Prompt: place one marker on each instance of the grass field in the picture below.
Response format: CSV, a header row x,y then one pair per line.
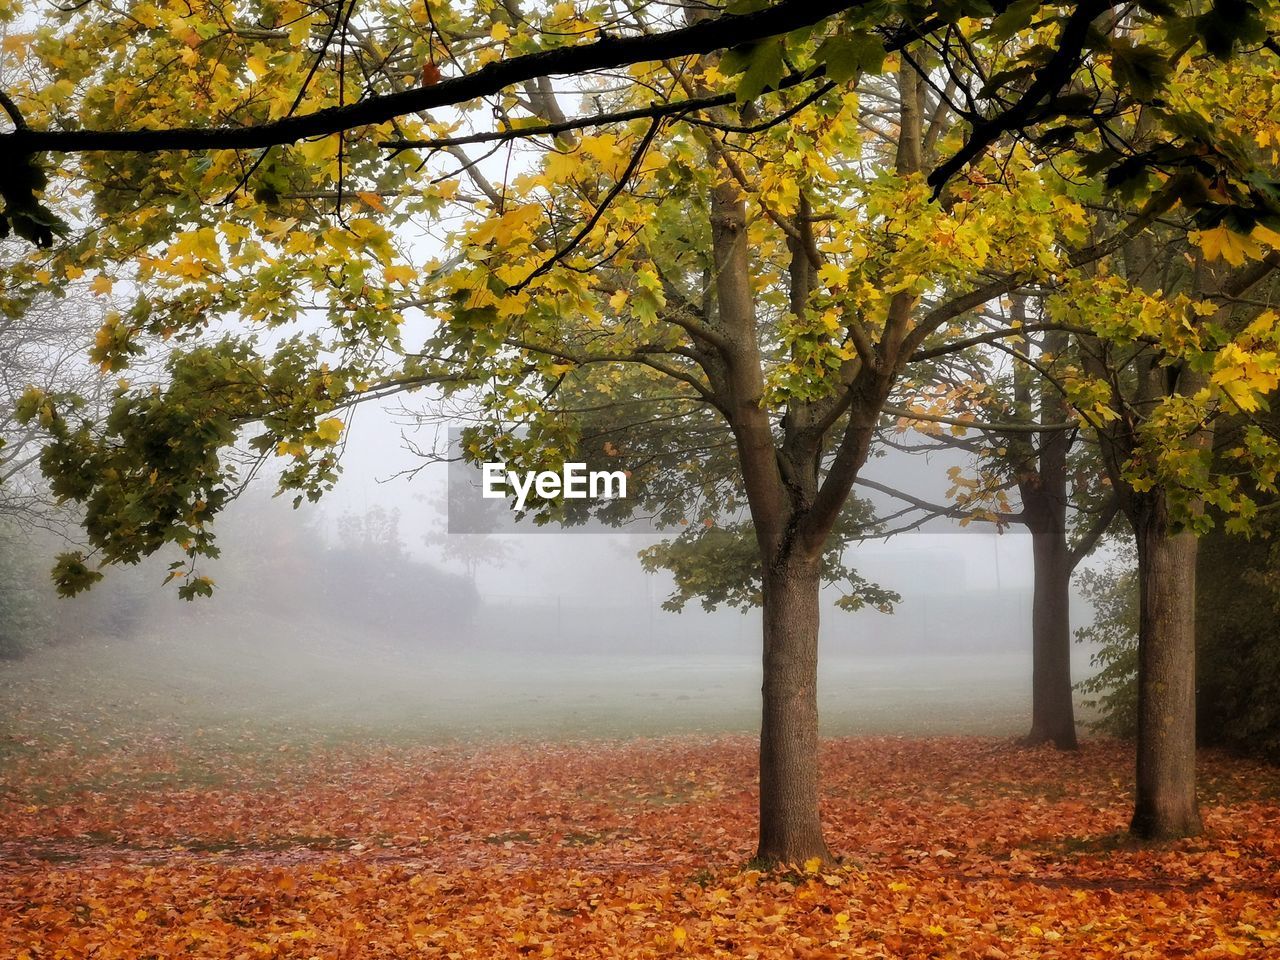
x,y
270,675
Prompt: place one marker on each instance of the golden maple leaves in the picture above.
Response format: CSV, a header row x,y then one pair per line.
x,y
1221,242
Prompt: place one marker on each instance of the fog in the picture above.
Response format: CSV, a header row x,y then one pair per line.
x,y
353,617
388,632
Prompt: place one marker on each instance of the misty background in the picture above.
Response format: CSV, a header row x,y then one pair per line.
x,y
361,614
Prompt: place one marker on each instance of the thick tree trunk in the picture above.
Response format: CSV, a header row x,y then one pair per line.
x,y
1052,711
790,828
1165,802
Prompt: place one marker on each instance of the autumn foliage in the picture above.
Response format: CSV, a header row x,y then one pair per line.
x,y
956,848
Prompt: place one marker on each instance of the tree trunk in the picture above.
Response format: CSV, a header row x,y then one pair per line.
x,y
1043,490
1165,802
1052,711
790,828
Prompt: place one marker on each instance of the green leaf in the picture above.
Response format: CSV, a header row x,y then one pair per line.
x,y
72,576
1228,24
1017,16
1140,67
765,68
847,57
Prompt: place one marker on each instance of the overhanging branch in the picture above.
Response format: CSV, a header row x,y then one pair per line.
x,y
727,30
1011,427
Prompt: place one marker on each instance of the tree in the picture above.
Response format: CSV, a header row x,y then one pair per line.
x,y
1043,486
466,536
43,340
1237,657
1237,600
1113,689
1155,400
790,343
1235,603
739,238
1018,428
42,343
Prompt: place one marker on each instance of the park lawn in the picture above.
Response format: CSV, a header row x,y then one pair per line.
x,y
229,845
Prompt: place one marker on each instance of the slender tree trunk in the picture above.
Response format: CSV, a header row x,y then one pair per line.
x,y
1052,711
1044,500
790,828
1165,802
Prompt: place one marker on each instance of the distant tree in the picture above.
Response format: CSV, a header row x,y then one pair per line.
x,y
44,338
396,591
1020,434
25,618
1238,643
43,341
466,535
1112,691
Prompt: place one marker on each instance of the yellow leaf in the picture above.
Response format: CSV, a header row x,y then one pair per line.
x,y
192,254
813,865
1240,393
603,148
321,154
832,276
1233,247
506,228
1266,235
372,199
400,273
18,42
329,430
101,284
364,228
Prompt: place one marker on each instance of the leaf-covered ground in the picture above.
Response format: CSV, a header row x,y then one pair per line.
x,y
197,846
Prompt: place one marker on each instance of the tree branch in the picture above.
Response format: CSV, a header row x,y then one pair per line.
x,y
673,108
1048,81
1094,534
726,30
596,214
1013,427
937,509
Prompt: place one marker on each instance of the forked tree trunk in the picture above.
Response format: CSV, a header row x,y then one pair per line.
x,y
1165,802
790,828
1052,711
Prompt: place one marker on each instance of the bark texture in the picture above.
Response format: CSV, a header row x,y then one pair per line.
x,y
1165,804
1052,708
1042,486
790,827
